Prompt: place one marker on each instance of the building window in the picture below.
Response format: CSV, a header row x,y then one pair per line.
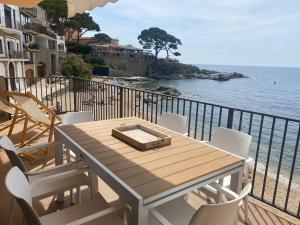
x,y
51,44
14,18
1,46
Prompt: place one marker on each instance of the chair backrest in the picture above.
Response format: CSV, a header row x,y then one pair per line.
x,y
18,186
6,108
232,141
12,153
224,213
29,105
76,117
172,121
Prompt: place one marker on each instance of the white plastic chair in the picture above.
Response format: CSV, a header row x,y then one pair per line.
x,y
237,143
92,212
73,118
174,122
179,212
49,181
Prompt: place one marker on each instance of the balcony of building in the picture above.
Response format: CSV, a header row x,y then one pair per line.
x,y
38,29
29,11
31,46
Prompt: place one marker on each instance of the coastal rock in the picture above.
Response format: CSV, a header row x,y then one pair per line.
x,y
168,91
164,70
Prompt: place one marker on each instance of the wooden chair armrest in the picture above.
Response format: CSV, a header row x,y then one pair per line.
x,y
159,217
94,216
35,147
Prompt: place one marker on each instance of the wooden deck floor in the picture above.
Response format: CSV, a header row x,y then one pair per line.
x,y
260,213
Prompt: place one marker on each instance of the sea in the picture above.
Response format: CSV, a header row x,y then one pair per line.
x,y
270,90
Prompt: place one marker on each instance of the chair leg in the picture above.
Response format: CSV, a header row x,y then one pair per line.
x,y
24,130
68,155
246,210
11,211
219,194
13,122
72,196
78,195
93,183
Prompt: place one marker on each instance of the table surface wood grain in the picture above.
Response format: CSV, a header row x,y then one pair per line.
x,y
153,171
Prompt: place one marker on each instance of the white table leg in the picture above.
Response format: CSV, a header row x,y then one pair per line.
x,y
139,215
236,183
94,183
59,160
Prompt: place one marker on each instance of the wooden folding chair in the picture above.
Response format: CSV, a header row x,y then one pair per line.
x,y
14,111
37,113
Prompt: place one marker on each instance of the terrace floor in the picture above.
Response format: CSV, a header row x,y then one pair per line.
x,y
260,213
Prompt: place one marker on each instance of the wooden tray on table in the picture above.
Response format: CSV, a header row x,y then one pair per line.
x,y
141,137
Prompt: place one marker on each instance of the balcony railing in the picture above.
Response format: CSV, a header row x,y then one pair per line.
x,y
275,146
33,46
31,11
39,29
18,55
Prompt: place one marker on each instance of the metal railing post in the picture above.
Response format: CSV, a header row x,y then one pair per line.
x,y
230,118
121,102
74,92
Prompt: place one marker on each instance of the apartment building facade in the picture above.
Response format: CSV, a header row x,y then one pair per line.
x,y
45,47
12,54
28,48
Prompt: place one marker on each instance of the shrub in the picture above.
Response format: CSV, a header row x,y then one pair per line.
x,y
74,65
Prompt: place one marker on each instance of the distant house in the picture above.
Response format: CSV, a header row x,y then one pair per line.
x,y
115,50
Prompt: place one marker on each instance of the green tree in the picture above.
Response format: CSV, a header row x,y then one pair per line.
x,y
57,16
57,11
172,45
101,37
81,23
74,65
158,40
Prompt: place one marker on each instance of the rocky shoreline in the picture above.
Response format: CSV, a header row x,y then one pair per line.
x,y
164,70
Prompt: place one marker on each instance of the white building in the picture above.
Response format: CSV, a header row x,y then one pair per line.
x,y
43,45
28,48
12,55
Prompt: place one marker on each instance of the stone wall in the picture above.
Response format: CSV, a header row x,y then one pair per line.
x,y
127,65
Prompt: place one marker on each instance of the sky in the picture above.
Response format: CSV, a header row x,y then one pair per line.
x,y
224,32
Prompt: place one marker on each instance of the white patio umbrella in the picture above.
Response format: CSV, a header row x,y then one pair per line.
x,y
74,6
80,6
22,3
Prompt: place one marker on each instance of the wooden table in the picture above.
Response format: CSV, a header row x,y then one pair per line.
x,y
150,178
